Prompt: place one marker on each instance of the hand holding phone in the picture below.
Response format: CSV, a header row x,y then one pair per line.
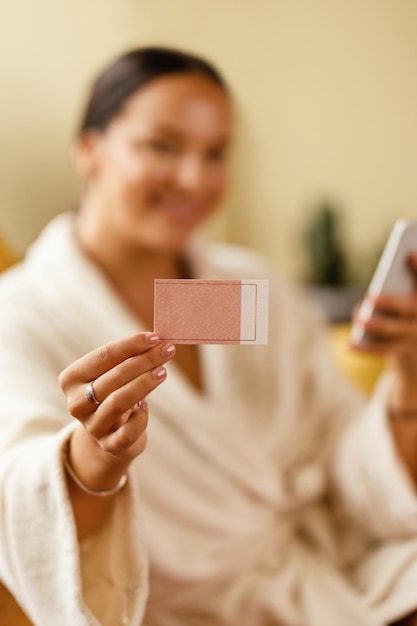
x,y
393,274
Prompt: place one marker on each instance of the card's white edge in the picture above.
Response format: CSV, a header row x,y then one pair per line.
x,y
262,301
248,298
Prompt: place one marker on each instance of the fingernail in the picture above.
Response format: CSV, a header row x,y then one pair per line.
x,y
152,338
159,372
143,405
168,349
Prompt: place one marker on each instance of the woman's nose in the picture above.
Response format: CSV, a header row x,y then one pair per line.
x,y
190,174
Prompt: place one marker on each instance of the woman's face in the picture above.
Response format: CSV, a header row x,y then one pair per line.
x,y
159,169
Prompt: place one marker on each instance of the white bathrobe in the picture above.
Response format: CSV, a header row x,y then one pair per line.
x,y
276,497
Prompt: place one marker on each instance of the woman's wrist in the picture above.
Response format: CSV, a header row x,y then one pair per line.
x,y
404,369
402,403
92,492
92,469
402,415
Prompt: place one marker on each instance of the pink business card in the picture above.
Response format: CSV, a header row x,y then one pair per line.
x,y
211,311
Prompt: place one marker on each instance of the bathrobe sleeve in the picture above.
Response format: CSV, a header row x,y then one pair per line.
x,y
368,470
41,561
367,474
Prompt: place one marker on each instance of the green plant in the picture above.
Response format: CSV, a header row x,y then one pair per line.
x,y
327,261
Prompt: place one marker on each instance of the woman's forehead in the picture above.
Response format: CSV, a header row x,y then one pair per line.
x,y
180,102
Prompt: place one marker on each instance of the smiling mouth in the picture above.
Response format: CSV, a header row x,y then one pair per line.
x,y
181,211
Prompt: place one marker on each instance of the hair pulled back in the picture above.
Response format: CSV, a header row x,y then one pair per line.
x,y
132,71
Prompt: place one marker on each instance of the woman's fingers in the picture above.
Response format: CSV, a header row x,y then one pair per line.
x,y
130,369
392,322
103,359
392,327
117,405
120,377
139,355
396,306
129,439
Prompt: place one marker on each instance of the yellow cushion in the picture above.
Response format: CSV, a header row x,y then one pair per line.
x,y
363,369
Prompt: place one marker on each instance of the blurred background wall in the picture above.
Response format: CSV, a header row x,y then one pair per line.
x,y
325,92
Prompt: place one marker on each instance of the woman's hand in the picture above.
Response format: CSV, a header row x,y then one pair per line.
x,y
394,328
112,433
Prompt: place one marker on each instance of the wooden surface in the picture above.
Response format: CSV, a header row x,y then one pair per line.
x,y
10,613
7,256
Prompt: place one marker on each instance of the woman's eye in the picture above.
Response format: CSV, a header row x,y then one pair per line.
x,y
217,155
160,145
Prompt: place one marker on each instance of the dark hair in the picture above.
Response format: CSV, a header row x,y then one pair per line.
x,y
134,70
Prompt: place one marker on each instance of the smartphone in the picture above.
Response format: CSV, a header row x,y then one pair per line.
x,y
392,274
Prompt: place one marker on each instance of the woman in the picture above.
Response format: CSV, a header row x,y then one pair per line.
x,y
268,493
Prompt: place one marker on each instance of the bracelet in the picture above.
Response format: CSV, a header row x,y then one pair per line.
x,y
399,415
91,492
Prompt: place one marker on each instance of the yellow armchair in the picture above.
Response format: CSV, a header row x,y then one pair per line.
x,y
11,613
7,256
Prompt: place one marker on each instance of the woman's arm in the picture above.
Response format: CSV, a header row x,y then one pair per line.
x,y
113,432
396,330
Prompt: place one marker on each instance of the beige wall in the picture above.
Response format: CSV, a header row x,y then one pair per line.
x,y
326,93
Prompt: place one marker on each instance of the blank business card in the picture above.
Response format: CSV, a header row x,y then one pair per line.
x,y
197,311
